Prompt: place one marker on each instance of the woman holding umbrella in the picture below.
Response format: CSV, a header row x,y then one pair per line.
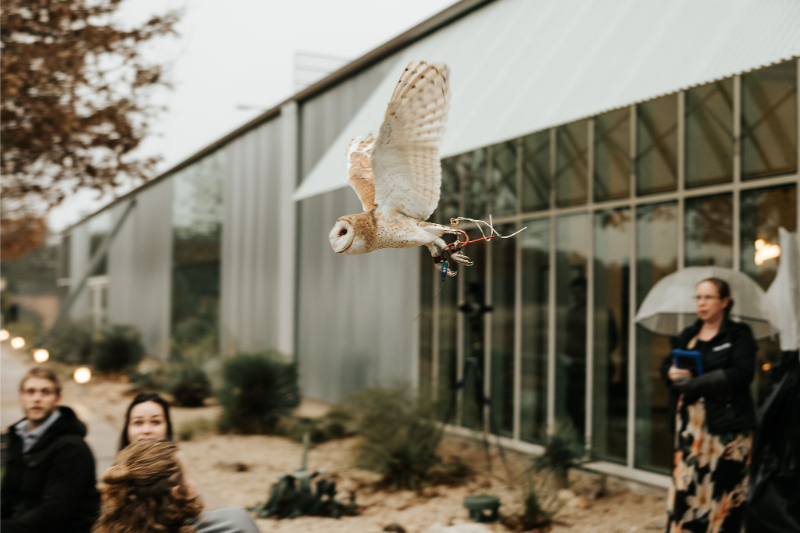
x,y
714,417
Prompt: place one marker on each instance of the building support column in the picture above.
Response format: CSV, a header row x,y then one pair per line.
x,y
287,231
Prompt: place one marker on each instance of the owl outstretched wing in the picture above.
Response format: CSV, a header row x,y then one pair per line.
x,y
405,159
359,169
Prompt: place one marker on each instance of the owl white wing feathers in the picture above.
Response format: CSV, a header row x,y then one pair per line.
x,y
405,158
359,169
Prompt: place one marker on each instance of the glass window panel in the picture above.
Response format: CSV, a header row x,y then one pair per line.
x,y
611,314
612,160
426,275
657,145
656,257
472,169
504,179
708,222
763,211
474,309
572,241
572,159
709,134
536,171
65,257
769,121
503,296
535,250
448,337
450,199
197,230
99,228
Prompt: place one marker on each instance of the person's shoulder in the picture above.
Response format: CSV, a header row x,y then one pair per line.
x,y
226,520
740,328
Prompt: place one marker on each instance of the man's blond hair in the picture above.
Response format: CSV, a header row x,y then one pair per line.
x,y
41,372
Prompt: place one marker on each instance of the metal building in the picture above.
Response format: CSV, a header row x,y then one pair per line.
x,y
630,138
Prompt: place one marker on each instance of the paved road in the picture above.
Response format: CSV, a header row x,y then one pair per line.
x,y
101,437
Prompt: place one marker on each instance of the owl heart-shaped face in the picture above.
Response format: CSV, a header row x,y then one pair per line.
x,y
341,236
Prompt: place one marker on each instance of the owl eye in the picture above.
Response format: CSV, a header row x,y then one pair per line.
x,y
342,232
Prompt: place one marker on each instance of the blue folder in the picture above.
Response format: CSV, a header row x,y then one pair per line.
x,y
689,359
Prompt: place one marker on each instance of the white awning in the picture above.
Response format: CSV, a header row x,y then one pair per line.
x,y
519,66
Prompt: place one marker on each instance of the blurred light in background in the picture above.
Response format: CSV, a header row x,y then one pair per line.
x,y
766,251
765,367
17,343
4,335
41,355
82,375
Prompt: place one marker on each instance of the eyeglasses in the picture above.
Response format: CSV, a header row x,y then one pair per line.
x,y
706,298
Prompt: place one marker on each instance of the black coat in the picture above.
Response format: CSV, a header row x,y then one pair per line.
x,y
733,351
52,487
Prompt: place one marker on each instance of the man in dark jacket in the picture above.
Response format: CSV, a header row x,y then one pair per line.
x,y
49,479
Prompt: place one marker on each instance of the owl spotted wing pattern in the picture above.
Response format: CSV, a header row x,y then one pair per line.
x,y
359,169
408,174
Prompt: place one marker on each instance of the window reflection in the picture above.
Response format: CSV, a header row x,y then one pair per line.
x,y
763,211
769,121
536,171
426,275
99,228
197,232
503,253
450,199
572,241
535,250
708,222
473,310
504,179
656,257
709,134
472,169
657,145
611,315
448,335
572,160
612,162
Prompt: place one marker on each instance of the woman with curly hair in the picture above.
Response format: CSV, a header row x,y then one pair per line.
x,y
146,491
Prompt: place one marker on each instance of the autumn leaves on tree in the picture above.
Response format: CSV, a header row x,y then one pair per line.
x,y
75,105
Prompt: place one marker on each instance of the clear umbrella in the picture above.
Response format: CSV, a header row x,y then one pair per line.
x,y
669,306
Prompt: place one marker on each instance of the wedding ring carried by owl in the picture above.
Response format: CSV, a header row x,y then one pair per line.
x,y
398,176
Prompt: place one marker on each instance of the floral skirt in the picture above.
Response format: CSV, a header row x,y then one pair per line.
x,y
710,475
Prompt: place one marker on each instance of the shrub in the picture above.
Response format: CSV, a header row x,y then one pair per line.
x,y
71,343
189,384
257,390
26,328
564,450
540,503
196,427
116,348
337,424
401,437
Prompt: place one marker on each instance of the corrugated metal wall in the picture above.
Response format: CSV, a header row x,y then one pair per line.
x,y
79,262
250,241
140,266
355,325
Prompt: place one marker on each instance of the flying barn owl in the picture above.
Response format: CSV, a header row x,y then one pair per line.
x,y
398,176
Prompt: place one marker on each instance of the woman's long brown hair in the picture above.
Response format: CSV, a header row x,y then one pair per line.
x,y
138,495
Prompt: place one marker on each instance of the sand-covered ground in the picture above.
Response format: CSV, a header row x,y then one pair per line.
x,y
237,470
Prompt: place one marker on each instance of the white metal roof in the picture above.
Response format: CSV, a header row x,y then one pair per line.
x,y
519,66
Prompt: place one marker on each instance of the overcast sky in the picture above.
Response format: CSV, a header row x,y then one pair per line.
x,y
242,53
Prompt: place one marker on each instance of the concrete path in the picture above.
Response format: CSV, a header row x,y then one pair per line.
x,y
102,438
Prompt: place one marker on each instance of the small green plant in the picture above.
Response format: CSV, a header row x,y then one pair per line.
x,y
191,429
71,343
292,496
258,389
564,450
401,437
116,348
337,424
